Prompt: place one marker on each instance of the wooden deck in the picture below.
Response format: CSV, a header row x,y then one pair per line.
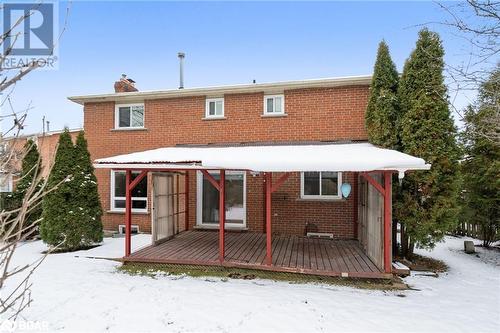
x,y
248,250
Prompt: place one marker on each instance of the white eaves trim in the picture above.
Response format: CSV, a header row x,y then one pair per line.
x,y
271,88
273,158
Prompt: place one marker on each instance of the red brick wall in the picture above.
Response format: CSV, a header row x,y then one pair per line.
x,y
323,114
47,146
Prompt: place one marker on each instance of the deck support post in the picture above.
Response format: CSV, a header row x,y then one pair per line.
x,y
387,221
355,195
186,200
269,255
129,186
386,192
222,214
128,212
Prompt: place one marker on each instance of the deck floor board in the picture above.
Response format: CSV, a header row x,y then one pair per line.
x,y
290,253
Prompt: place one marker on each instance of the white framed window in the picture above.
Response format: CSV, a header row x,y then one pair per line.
x,y
5,182
139,193
207,200
274,104
214,108
129,116
320,185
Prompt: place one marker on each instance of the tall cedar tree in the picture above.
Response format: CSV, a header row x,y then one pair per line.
x,y
71,216
481,165
428,203
383,112
383,107
87,204
31,169
56,226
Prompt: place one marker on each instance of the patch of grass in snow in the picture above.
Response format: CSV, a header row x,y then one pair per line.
x,y
156,270
424,264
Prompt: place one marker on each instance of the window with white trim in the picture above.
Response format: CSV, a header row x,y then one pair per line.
x,y
274,104
139,193
320,185
5,182
129,116
214,108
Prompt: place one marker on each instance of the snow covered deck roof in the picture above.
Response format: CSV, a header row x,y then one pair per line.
x,y
270,158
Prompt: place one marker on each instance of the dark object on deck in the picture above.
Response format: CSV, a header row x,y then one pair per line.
x,y
469,247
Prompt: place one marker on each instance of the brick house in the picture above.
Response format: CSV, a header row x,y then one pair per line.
x,y
47,145
306,204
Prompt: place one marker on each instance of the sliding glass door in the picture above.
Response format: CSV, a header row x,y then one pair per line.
x,y
208,199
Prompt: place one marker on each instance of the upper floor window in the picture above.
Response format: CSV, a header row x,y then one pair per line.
x,y
118,188
274,104
320,185
214,108
129,116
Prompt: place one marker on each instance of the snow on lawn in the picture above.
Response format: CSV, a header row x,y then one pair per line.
x,y
81,294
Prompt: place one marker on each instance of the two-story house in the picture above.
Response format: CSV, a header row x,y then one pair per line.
x,y
205,155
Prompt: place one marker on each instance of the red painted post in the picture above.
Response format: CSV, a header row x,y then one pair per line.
x,y
264,203
177,195
355,195
186,200
269,255
387,221
128,212
222,213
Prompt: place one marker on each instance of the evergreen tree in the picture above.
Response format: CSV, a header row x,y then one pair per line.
x,y
481,165
87,204
72,212
383,112
30,172
57,216
427,206
383,107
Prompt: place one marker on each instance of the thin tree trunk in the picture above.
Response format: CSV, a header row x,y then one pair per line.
x,y
394,238
404,241
411,249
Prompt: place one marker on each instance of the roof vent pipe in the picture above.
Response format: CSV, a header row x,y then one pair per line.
x,y
181,56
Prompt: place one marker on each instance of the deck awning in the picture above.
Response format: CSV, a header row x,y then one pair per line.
x,y
269,158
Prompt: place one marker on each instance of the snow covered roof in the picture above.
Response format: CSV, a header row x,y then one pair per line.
x,y
270,158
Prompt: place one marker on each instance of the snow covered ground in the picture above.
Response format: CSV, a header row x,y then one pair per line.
x,y
81,294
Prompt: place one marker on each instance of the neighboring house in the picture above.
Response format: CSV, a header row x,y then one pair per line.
x,y
47,145
299,114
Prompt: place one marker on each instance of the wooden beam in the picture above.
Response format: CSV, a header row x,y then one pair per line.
x,y
355,195
373,182
128,213
222,214
387,222
211,179
264,202
186,200
280,181
137,179
269,255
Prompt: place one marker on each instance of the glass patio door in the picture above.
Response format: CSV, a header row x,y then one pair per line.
x,y
208,199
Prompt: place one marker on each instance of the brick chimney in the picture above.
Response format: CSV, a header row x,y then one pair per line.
x,y
125,85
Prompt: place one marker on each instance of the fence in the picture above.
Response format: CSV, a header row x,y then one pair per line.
x,y
472,230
